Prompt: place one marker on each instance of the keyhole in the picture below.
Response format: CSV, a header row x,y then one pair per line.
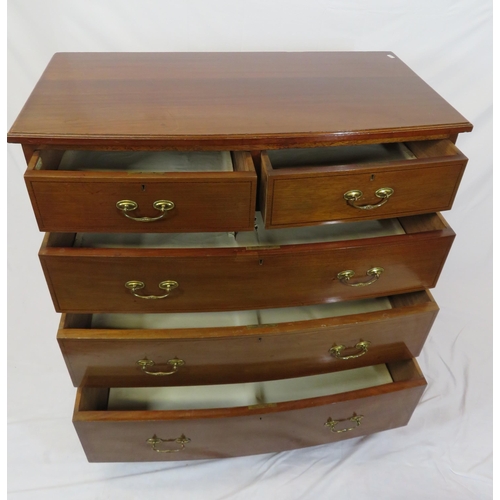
x,y
372,177
261,262
143,187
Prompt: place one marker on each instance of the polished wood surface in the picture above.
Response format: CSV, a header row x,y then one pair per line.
x,y
308,195
219,279
120,436
231,101
249,104
108,357
86,201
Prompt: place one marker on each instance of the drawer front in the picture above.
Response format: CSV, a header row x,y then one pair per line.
x,y
313,195
119,436
93,280
109,357
87,201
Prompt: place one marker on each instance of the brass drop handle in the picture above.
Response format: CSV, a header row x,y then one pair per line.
x,y
354,195
175,363
362,346
155,440
374,272
167,285
332,423
163,206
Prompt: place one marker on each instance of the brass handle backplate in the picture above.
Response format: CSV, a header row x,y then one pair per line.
x,y
332,423
134,285
362,346
163,206
155,440
175,363
354,195
374,272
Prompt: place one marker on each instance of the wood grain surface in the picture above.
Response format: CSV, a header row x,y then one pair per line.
x,y
85,201
217,355
308,195
120,436
231,101
220,279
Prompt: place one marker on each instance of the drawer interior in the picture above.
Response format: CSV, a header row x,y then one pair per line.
x,y
339,155
259,237
136,161
359,154
231,318
250,318
247,394
324,233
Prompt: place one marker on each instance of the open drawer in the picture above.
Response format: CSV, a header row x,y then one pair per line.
x,y
142,191
250,270
367,181
120,350
179,423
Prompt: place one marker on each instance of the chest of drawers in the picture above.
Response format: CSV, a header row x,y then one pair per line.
x,y
241,245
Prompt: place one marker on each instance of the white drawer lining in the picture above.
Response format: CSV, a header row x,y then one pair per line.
x,y
152,240
238,318
339,155
324,233
247,394
260,237
147,161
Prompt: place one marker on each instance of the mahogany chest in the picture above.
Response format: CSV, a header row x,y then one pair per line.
x,y
241,244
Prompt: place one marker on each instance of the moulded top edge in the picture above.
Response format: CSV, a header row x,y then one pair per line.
x,y
245,99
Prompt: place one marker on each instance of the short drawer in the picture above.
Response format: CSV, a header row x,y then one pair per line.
x,y
142,191
254,270
373,181
120,350
181,423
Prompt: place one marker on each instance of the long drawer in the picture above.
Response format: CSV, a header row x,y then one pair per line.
x,y
179,423
132,279
371,181
215,348
116,191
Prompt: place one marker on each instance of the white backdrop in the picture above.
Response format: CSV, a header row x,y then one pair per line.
x,y
445,451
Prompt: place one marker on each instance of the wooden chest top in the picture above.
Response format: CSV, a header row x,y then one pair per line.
x,y
231,101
